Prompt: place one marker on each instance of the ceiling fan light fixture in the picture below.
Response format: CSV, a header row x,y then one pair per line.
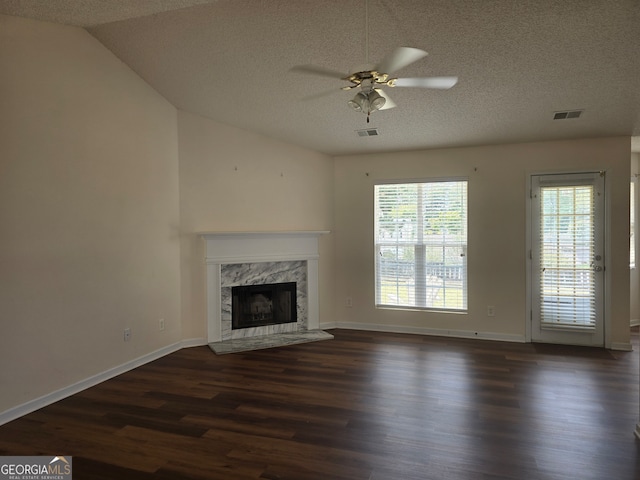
x,y
360,103
376,101
367,102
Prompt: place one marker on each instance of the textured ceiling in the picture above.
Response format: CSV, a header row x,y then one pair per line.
x,y
518,62
86,13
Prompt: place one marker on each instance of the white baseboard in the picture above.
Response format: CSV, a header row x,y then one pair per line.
x,y
635,322
621,346
328,326
194,342
502,337
625,347
38,403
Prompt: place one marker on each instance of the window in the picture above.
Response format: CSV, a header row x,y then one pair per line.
x,y
567,255
421,245
632,223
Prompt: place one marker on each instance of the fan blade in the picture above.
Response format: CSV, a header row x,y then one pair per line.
x,y
316,70
400,58
388,102
442,83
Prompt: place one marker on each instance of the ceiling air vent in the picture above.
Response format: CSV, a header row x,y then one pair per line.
x,y
368,132
567,114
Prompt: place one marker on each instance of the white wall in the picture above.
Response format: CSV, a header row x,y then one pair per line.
x,y
89,213
497,225
234,180
635,273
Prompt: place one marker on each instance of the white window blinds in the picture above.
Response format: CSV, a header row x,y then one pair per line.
x,y
421,245
566,260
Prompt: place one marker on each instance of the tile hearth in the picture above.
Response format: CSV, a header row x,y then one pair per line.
x,y
268,341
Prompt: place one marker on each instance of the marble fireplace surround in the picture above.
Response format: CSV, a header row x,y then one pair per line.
x,y
260,273
249,258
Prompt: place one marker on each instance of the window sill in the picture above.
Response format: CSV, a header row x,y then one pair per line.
x,y
420,309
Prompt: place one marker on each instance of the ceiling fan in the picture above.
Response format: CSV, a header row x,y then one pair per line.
x,y
369,79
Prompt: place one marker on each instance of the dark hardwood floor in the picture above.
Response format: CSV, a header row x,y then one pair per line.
x,y
362,406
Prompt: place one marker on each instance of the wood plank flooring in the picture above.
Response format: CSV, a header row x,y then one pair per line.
x,y
365,405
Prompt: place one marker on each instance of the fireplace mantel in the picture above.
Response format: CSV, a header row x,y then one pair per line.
x,y
257,247
247,247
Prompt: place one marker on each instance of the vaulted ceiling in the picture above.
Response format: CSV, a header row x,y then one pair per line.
x,y
518,62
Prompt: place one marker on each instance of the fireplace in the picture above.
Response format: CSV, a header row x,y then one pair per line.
x,y
262,305
236,259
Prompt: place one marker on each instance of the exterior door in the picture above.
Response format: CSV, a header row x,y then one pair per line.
x,y
567,258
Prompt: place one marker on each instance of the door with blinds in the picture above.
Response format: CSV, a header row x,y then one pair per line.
x,y
567,257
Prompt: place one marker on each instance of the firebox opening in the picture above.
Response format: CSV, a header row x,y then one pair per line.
x,y
260,305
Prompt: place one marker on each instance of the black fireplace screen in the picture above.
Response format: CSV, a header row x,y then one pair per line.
x,y
260,305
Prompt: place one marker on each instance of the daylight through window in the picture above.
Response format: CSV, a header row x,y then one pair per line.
x,y
421,245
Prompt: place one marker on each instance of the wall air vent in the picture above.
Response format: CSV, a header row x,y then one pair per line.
x,y
368,132
567,114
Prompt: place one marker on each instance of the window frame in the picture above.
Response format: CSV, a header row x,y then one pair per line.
x,y
419,249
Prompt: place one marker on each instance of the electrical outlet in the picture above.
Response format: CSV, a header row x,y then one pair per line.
x,y
491,311
127,334
348,302
161,324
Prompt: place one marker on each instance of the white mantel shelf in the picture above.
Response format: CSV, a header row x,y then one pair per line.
x,y
249,247
256,247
